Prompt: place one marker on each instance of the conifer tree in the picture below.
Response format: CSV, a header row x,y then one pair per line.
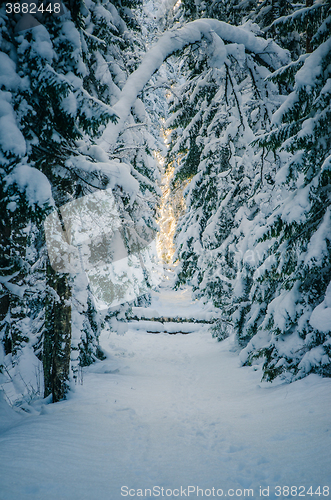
x,y
59,82
231,11
293,339
288,23
217,113
262,249
255,234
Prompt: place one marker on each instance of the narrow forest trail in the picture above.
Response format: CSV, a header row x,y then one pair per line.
x,y
170,411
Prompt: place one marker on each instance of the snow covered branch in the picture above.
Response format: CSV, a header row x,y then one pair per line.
x,y
175,40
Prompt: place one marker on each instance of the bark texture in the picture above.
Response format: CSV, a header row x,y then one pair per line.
x,y
57,341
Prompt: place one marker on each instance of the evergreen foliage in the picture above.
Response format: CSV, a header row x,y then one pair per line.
x,y
250,145
220,110
231,11
58,83
298,231
256,234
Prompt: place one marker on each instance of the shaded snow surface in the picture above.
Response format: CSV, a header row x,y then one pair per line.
x,y
170,411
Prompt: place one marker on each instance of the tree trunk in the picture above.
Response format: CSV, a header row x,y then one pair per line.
x,y
309,31
57,336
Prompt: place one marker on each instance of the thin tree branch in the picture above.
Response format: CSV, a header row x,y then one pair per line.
x,y
235,95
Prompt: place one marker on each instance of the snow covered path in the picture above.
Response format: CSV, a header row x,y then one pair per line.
x,y
170,411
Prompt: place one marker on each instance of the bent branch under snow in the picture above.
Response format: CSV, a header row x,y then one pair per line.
x,y
177,39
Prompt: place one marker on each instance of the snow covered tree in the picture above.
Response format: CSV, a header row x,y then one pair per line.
x,y
224,105
291,24
268,16
72,91
255,235
295,333
231,11
59,80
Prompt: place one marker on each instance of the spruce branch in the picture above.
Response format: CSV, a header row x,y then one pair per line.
x,y
94,38
235,95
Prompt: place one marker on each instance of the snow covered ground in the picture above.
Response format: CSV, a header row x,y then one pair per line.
x,y
172,412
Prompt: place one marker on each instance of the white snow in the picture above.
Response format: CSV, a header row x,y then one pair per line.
x,y
321,315
8,76
41,43
33,183
169,411
11,138
69,104
119,172
305,78
313,66
317,249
